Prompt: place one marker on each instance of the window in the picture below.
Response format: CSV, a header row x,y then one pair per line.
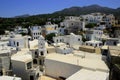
x,y
31,77
36,54
95,45
14,42
40,62
60,30
29,65
57,40
90,44
41,53
35,61
60,40
17,43
55,27
63,40
72,24
78,39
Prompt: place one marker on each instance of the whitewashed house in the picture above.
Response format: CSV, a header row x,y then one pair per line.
x,y
94,34
35,31
51,28
109,20
62,48
19,30
61,31
10,78
22,65
72,24
39,51
74,67
19,41
93,17
112,41
94,43
5,54
41,46
71,39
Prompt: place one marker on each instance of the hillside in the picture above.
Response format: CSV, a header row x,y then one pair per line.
x,y
89,9
56,17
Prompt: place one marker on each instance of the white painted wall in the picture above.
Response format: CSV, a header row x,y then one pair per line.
x,y
19,69
56,69
35,31
69,39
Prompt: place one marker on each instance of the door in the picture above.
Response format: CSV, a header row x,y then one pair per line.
x,y
31,77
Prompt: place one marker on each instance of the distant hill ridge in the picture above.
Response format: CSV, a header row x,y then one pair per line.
x,y
88,9
76,11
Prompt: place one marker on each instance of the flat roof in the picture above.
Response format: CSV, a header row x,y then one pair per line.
x,y
93,41
6,49
86,46
114,50
46,78
87,55
85,74
23,56
104,47
33,44
59,44
94,64
9,78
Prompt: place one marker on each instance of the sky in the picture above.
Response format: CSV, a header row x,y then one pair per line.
x,y
11,8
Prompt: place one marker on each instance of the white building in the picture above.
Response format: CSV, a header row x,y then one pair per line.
x,y
61,31
19,30
19,41
94,34
111,41
73,24
39,51
41,46
62,48
4,37
35,31
72,67
71,39
22,65
5,54
94,43
9,78
93,17
109,20
51,28
101,27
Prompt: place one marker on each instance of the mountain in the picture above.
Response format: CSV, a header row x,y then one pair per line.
x,y
86,10
22,16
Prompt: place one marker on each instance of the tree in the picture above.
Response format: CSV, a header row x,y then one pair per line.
x,y
50,36
90,25
2,31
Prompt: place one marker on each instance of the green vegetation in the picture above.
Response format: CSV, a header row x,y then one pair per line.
x,y
90,25
57,17
11,23
50,36
2,31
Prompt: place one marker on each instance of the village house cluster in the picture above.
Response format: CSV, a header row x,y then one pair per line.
x,y
77,51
